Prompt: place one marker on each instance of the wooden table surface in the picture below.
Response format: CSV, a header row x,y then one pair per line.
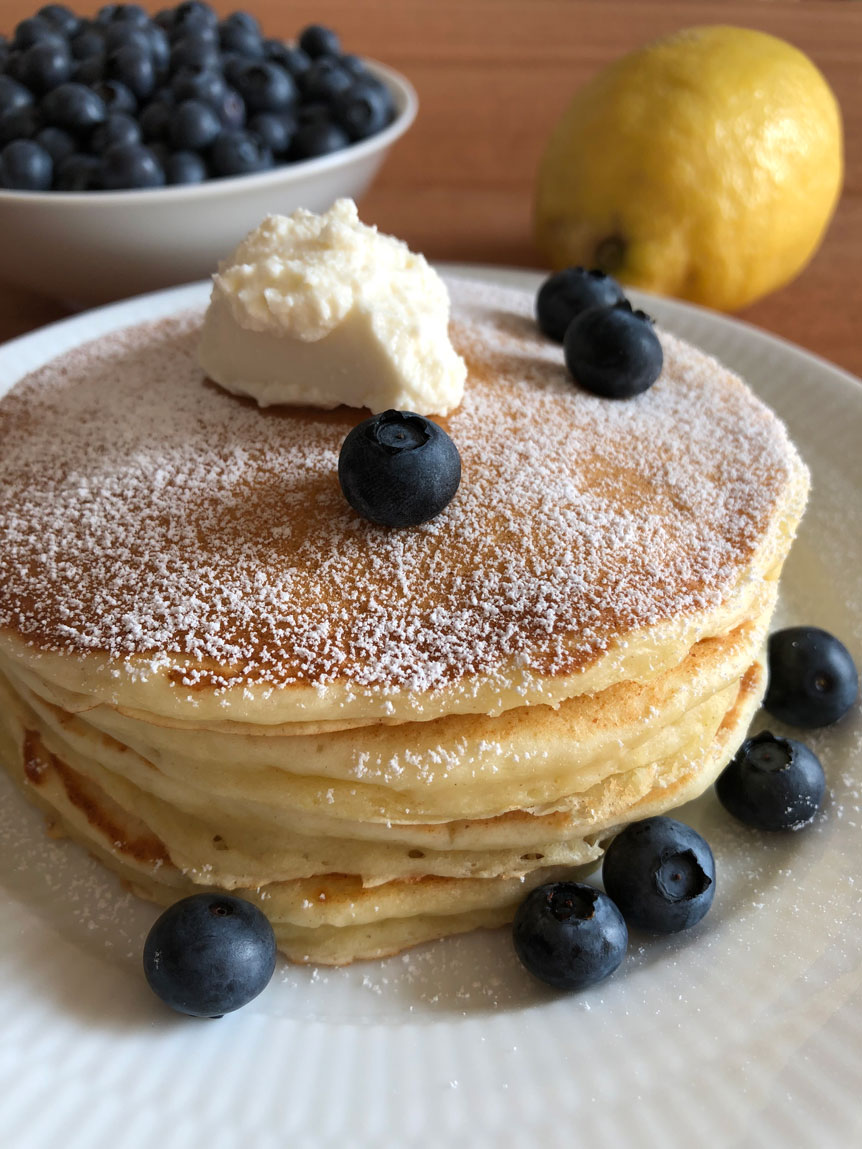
x,y
494,75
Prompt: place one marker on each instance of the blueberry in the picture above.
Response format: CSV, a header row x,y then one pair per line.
x,y
325,79
315,40
196,17
155,119
243,20
118,128
233,66
276,129
160,47
57,143
661,874
319,137
231,110
195,83
209,954
117,97
772,783
354,65
184,168
812,679
189,50
314,113
34,30
237,153
87,43
46,65
25,166
119,35
89,72
244,41
165,19
265,87
569,935
194,126
90,75
124,14
293,60
566,294
74,107
22,124
613,351
161,150
399,469
14,67
13,95
61,18
77,173
165,95
199,34
133,66
129,166
362,110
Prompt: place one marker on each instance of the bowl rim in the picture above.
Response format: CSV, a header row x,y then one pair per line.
x,y
407,106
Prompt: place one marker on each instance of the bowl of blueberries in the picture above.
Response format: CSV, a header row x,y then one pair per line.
x,y
137,150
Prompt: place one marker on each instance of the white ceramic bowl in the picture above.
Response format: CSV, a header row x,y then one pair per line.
x,y
91,247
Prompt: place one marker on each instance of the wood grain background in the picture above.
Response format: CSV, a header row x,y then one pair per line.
x,y
494,75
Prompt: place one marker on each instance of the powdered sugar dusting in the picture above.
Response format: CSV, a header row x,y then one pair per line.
x,y
148,514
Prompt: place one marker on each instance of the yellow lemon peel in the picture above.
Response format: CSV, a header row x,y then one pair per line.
x,y
705,166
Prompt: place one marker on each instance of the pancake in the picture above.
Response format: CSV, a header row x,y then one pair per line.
x,y
214,675
197,554
335,918
239,819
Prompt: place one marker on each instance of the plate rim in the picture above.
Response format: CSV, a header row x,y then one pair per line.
x,y
148,306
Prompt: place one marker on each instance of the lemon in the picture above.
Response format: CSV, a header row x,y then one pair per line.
x,y
705,166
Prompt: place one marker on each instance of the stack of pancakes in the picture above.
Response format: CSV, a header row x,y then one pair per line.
x,y
214,675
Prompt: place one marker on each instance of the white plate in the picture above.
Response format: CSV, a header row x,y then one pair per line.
x,y
746,1032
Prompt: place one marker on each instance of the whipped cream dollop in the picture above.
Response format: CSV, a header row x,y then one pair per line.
x,y
321,310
